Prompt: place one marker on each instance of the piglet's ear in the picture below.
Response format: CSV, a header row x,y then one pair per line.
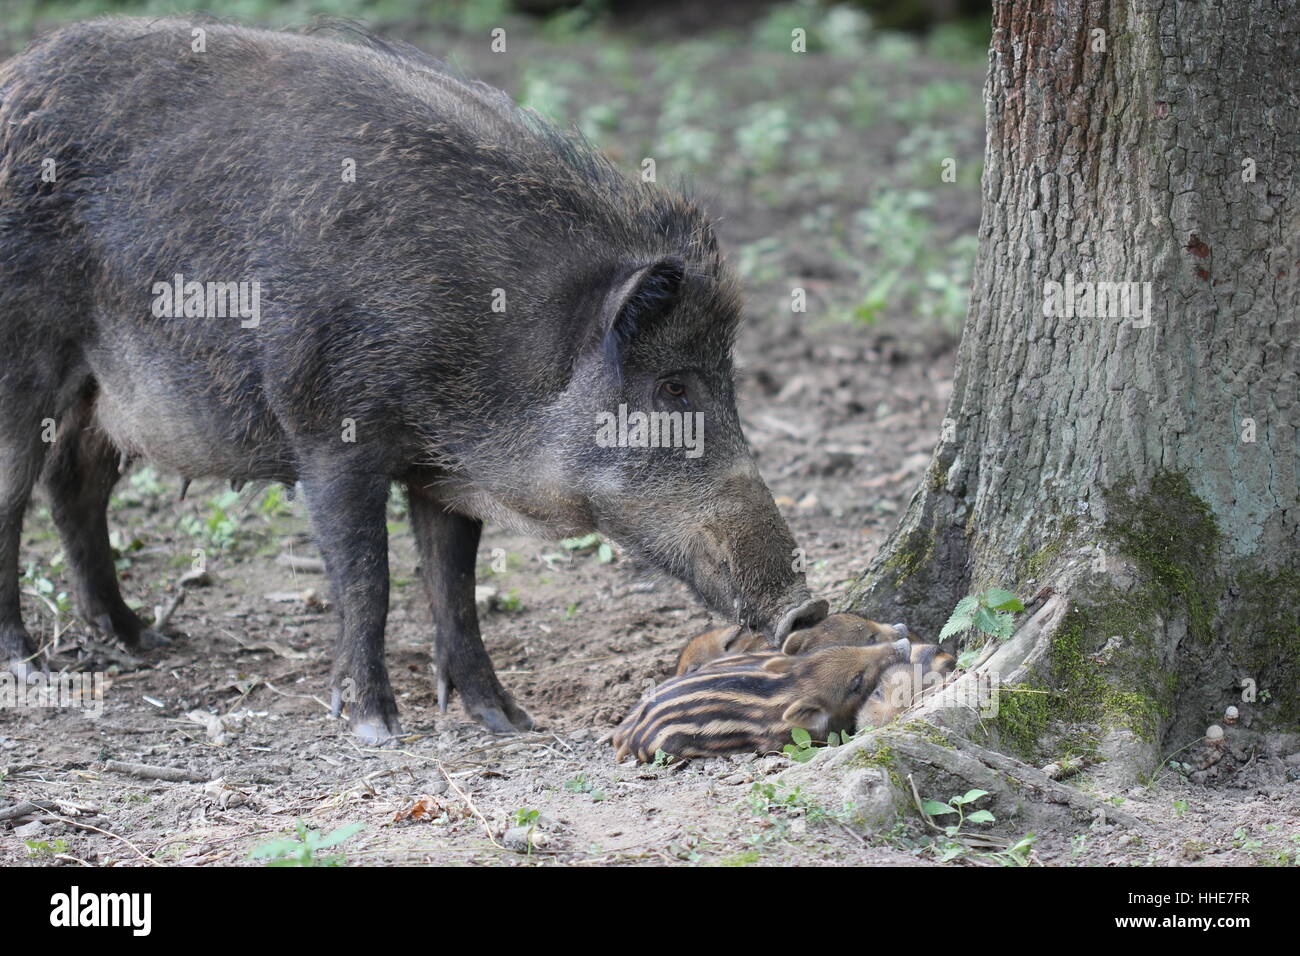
x,y
809,715
778,664
636,300
794,643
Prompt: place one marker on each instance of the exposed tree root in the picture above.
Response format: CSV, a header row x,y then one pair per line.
x,y
931,745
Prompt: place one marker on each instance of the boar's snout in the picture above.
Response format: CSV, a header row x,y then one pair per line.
x,y
806,613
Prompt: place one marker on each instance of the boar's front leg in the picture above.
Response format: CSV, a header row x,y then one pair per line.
x,y
448,546
21,452
348,515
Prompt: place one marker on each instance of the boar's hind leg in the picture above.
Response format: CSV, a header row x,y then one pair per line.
x,y
348,516
448,546
79,479
21,451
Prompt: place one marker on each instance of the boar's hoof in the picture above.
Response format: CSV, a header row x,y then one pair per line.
x,y
508,721
150,639
17,654
131,634
495,709
376,731
24,669
375,725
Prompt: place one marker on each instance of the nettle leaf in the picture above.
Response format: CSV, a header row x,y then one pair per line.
x,y
996,623
970,796
937,808
981,816
833,740
1001,600
963,616
967,657
801,736
338,836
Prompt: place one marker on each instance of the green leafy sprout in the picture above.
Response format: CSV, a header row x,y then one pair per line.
x,y
989,613
288,851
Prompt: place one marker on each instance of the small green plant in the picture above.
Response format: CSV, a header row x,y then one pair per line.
x,y
743,858
1018,853
288,851
37,583
766,797
953,847
216,529
957,805
274,502
580,784
1242,840
588,543
805,748
45,848
662,759
511,601
774,808
525,817
989,613
1290,856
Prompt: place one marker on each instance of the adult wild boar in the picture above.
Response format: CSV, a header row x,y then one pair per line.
x,y
271,256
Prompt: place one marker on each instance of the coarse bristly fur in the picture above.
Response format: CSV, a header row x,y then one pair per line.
x,y
847,630
453,319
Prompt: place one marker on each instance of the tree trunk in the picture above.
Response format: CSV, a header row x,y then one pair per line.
x,y
1144,469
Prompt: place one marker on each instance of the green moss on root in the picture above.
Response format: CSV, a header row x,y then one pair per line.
x,y
1038,562
1024,714
912,552
1266,607
1078,691
1172,536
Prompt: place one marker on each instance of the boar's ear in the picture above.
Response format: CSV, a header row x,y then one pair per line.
x,y
637,299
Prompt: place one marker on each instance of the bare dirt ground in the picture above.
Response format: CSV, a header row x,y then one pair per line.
x,y
843,414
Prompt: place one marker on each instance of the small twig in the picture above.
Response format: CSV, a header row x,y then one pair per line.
x,y
297,563
148,772
86,826
162,613
920,808
487,828
22,809
284,693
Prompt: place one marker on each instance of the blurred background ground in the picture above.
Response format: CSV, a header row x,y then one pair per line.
x,y
824,172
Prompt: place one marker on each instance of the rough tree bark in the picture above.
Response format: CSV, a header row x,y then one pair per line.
x,y
1145,473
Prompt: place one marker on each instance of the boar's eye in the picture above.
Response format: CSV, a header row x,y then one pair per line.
x,y
856,684
674,392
